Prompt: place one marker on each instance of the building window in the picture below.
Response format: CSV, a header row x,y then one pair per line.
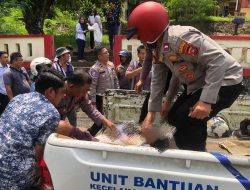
x,y
6,48
18,48
30,49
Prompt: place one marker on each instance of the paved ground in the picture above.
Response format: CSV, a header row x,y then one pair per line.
x,y
83,122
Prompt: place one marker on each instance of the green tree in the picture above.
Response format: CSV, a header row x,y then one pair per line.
x,y
34,12
190,10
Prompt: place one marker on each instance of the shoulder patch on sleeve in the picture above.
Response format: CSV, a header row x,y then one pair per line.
x,y
93,73
185,48
110,64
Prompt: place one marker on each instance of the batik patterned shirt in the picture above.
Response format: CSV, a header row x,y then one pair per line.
x,y
28,120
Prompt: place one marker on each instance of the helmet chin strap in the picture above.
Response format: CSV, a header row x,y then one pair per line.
x,y
153,42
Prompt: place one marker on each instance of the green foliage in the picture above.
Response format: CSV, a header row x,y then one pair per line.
x,y
247,18
190,10
64,39
69,39
63,22
11,22
86,7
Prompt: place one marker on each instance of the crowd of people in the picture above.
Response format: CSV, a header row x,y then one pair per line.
x,y
33,107
93,25
170,56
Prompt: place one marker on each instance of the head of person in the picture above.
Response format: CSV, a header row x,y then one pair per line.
x,y
39,65
93,12
4,57
78,84
98,19
63,54
102,54
16,60
125,56
141,52
112,4
81,20
148,21
51,84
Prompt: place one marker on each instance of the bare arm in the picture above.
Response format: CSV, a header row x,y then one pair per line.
x,y
147,65
132,74
9,91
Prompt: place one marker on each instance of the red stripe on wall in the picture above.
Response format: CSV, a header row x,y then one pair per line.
x,y
230,37
26,64
116,48
49,46
246,72
23,36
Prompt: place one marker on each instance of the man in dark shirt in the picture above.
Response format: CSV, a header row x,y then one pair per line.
x,y
113,21
16,78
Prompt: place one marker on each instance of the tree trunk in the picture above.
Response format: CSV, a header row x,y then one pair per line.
x,y
34,14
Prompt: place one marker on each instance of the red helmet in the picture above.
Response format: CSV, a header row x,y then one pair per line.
x,y
148,20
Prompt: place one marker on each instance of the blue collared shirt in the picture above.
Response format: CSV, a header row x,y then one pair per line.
x,y
2,86
28,120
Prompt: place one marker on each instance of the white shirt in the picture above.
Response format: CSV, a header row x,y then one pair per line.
x,y
91,19
97,32
2,86
79,32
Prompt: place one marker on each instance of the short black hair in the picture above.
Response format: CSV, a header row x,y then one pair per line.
x,y
14,56
79,77
140,48
2,53
49,79
97,50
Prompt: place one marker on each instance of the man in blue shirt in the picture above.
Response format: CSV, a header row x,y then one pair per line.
x,y
4,100
25,124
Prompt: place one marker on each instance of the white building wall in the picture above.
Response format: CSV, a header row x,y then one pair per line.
x,y
36,48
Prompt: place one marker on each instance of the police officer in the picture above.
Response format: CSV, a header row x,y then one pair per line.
x,y
212,78
103,77
125,58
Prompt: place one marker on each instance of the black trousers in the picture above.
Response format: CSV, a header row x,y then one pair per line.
x,y
4,100
81,46
144,109
92,43
112,30
192,133
99,106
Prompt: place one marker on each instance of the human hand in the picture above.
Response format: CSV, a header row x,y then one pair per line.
x,y
64,128
200,110
109,124
139,70
150,133
138,86
165,108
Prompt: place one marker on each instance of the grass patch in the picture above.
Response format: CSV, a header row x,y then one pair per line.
x,y
219,19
